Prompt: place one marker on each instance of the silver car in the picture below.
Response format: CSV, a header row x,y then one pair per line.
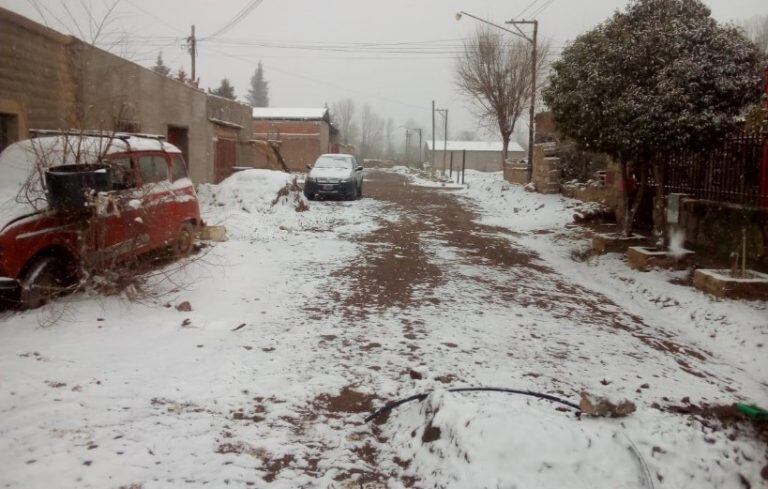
x,y
334,175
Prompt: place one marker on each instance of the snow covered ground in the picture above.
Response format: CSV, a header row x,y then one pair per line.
x,y
304,322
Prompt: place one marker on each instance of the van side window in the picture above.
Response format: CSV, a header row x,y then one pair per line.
x,y
153,169
178,168
123,176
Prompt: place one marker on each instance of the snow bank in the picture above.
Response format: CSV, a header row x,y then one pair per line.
x,y
264,204
510,205
501,440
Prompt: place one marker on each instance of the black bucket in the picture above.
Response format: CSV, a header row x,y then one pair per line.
x,y
69,185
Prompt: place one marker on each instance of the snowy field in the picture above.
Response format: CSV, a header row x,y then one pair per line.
x,y
266,381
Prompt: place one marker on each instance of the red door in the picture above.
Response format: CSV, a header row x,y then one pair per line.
x,y
225,158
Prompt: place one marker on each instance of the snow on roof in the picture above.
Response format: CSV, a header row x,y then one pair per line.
x,y
311,114
21,188
496,146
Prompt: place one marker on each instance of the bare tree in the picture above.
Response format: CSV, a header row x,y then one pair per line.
x,y
390,139
371,132
495,73
343,115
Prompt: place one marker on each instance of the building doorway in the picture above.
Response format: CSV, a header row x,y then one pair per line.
x,y
179,137
9,130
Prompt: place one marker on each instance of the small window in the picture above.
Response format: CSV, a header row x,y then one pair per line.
x,y
178,168
123,176
153,169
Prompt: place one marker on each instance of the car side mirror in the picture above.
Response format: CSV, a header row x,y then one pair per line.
x,y
309,167
359,168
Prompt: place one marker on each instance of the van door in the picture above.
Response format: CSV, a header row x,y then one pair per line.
x,y
157,197
117,228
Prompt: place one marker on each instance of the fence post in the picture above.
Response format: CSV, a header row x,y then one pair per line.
x,y
463,165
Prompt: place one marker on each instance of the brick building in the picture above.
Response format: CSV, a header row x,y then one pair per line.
x,y
49,80
303,133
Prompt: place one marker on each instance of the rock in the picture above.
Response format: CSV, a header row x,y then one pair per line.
x,y
602,407
184,307
415,375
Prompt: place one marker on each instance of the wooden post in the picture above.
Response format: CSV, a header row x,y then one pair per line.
x,y
463,164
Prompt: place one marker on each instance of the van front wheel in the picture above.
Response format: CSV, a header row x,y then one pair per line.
x,y
185,241
43,281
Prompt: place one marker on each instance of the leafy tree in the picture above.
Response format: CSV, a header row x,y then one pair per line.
x,y
225,89
258,95
659,77
160,66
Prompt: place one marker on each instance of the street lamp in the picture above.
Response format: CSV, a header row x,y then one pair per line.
x,y
519,33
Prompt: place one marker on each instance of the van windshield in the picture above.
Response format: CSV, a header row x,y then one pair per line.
x,y
334,162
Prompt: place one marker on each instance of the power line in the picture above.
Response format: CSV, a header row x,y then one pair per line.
x,y
544,7
534,2
239,17
323,82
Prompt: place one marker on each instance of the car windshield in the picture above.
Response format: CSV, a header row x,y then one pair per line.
x,y
334,162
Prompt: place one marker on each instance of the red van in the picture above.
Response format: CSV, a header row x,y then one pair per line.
x,y
151,204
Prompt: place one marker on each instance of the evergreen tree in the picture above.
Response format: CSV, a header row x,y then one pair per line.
x,y
225,89
182,76
258,95
659,77
160,66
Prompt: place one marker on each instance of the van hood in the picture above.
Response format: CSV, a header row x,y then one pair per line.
x,y
340,173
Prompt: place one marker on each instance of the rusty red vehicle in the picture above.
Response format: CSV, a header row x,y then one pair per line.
x,y
150,203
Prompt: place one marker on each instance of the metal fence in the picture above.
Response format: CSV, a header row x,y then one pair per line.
x,y
735,170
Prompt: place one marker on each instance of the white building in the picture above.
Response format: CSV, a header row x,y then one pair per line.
x,y
480,155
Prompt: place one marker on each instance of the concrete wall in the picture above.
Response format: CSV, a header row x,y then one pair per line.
x,y
36,82
302,141
60,82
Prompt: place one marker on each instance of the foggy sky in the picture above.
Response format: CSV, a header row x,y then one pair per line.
x,y
399,84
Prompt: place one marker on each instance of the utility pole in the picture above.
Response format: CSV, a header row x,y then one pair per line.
x,y
192,43
534,70
407,144
421,149
444,113
432,155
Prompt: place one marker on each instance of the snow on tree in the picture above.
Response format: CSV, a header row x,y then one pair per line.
x,y
160,66
258,95
225,89
659,77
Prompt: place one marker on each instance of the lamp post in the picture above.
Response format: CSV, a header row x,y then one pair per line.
x,y
534,43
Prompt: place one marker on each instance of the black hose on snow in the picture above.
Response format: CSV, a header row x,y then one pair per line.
x,y
420,397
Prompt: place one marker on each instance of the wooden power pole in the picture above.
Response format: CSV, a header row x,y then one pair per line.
x,y
192,43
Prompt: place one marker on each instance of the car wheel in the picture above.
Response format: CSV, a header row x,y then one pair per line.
x,y
353,195
360,192
309,196
43,281
185,241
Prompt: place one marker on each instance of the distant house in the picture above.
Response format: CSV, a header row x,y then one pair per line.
x,y
303,133
480,155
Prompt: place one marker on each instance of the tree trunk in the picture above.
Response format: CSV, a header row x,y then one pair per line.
x,y
659,206
504,151
631,212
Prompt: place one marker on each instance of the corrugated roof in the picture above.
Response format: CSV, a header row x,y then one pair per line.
x,y
291,113
496,146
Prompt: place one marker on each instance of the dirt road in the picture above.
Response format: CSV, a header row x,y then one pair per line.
x,y
305,322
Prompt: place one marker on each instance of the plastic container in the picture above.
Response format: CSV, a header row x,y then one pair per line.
x,y
70,185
